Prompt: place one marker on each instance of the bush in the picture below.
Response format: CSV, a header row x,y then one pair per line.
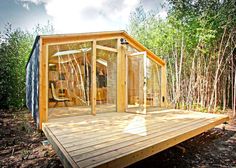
x,y
15,47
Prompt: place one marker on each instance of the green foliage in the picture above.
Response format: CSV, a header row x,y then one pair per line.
x,y
195,29
15,48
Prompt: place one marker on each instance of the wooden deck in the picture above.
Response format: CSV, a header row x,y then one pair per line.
x,y
120,139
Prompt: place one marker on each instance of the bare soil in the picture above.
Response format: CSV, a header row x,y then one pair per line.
x,y
21,146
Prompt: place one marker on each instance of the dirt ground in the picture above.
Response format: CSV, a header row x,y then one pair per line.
x,y
21,146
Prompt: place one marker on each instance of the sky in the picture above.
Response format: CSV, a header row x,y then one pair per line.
x,y
72,16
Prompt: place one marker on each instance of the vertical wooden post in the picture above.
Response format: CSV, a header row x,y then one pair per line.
x,y
163,86
121,77
93,84
145,82
43,84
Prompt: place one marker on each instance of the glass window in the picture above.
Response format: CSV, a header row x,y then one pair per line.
x,y
69,77
106,74
153,84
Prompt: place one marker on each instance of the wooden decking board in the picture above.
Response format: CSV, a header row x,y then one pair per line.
x,y
82,124
105,133
116,139
88,141
132,148
103,148
60,150
98,145
127,159
90,158
81,129
100,130
104,129
98,127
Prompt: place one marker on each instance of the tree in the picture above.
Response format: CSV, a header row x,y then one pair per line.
x,y
197,40
15,48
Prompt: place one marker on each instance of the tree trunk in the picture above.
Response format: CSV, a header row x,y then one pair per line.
x,y
234,104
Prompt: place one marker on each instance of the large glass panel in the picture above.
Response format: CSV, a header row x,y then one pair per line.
x,y
69,77
106,73
137,97
153,84
136,83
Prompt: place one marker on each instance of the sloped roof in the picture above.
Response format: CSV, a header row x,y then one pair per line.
x,y
59,38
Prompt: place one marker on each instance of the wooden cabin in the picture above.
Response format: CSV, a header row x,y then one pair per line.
x,y
93,73
100,99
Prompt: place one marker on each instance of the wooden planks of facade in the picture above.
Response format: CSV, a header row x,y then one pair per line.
x,y
120,139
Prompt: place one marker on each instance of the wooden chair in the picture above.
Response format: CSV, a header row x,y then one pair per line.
x,y
56,98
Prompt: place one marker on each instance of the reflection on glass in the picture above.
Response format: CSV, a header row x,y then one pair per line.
x,y
136,95
135,81
153,84
106,73
69,78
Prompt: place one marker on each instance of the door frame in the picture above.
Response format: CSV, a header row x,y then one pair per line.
x,y
144,53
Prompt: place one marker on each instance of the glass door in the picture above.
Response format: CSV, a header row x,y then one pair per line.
x,y
136,83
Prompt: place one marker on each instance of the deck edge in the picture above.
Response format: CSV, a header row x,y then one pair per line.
x,y
149,151
65,158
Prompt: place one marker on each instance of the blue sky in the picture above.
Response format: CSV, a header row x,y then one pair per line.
x,y
72,16
12,11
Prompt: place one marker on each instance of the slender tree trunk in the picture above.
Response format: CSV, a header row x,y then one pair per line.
x,y
181,63
219,62
176,76
224,95
228,91
234,103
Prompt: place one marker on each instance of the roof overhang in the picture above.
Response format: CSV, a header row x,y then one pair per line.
x,y
62,38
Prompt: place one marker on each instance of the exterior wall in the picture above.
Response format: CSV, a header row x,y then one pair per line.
x,y
32,83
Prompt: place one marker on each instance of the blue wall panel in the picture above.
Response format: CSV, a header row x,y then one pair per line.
x,y
32,83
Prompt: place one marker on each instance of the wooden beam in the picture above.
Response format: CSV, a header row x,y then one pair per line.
x,y
134,43
43,85
81,37
121,77
106,48
45,48
93,85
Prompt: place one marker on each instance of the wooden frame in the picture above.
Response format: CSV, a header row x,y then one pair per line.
x,y
94,85
46,41
145,80
106,48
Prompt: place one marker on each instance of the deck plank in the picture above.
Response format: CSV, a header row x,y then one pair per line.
x,y
120,138
103,148
103,140
141,147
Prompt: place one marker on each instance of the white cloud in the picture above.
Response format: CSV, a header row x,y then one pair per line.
x,y
32,1
88,15
26,6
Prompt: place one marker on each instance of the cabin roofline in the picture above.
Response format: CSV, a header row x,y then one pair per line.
x,y
97,35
